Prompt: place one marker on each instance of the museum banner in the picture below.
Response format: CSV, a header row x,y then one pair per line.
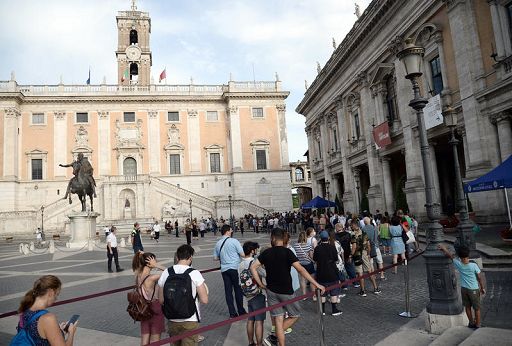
x,y
381,135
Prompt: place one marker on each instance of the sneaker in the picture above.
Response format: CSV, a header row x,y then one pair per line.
x,y
362,293
356,285
287,331
343,295
345,288
377,291
336,312
271,340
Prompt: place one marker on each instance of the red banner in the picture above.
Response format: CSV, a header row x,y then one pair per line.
x,y
381,135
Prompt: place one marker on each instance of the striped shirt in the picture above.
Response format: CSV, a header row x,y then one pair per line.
x,y
302,251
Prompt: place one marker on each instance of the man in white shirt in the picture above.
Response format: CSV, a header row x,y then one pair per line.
x,y
178,326
112,251
106,230
156,229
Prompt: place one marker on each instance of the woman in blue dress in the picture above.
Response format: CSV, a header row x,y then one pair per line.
x,y
397,244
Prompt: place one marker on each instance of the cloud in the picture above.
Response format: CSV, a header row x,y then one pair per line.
x,y
204,39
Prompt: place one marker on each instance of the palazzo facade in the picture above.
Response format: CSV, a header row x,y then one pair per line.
x,y
159,151
467,66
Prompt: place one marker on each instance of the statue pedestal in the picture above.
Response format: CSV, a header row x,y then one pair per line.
x,y
83,228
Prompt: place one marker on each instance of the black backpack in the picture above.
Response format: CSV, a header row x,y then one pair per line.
x,y
179,303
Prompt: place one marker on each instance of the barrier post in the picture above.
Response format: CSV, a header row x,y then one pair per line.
x,y
407,312
321,317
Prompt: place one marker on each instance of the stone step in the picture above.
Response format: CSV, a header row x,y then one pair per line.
x,y
489,336
452,336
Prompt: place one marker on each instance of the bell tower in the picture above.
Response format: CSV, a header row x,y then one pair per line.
x,y
133,51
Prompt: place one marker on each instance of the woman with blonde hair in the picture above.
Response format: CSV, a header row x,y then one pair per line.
x,y
44,328
142,263
304,253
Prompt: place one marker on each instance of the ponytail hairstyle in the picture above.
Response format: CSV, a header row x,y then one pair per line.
x,y
139,260
40,288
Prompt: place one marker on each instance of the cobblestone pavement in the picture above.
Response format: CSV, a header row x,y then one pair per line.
x,y
365,321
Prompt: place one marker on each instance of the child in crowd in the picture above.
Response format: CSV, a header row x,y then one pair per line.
x,y
470,283
255,298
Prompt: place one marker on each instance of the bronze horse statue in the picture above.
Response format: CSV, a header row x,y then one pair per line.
x,y
82,183
81,186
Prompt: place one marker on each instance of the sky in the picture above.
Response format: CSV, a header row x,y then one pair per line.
x,y
204,39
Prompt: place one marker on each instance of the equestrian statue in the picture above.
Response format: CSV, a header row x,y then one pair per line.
x,y
83,183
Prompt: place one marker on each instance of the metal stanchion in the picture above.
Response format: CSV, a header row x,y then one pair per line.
x,y
407,313
321,317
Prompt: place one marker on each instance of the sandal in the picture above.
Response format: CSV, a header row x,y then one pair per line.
x,y
200,338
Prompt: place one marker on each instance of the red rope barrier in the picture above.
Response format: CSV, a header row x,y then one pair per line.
x,y
94,295
212,326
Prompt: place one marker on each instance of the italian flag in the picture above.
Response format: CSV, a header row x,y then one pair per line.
x,y
163,76
125,75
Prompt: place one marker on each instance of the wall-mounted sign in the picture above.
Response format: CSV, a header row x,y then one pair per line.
x,y
433,112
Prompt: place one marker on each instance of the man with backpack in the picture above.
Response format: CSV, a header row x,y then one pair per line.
x,y
183,289
251,291
228,251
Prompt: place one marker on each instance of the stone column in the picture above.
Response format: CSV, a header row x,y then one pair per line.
x,y
466,42
104,144
11,145
60,143
194,141
154,142
236,141
496,26
282,135
388,185
502,122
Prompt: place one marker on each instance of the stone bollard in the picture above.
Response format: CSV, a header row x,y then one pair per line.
x,y
32,247
25,249
122,243
21,248
90,245
52,246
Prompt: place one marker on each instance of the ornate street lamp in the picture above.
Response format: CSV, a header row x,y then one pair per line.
x,y
443,294
190,204
465,226
230,212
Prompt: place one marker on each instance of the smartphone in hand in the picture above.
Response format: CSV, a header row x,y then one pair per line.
x,y
72,320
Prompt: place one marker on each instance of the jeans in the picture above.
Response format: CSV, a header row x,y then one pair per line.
x,y
231,282
114,255
351,270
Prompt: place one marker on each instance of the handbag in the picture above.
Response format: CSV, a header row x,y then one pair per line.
x,y
139,308
411,238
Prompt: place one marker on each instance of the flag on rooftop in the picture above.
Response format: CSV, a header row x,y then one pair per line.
x,y
89,79
163,75
125,75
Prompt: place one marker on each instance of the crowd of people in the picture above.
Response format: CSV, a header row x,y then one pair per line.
x,y
307,252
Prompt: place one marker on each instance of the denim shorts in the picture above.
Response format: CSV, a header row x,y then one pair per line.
x,y
334,292
255,303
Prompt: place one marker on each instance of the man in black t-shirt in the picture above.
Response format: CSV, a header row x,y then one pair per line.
x,y
326,256
278,261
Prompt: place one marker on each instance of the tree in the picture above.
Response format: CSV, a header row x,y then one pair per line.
x,y
400,197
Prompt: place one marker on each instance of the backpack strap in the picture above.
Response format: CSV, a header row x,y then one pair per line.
x,y
220,250
188,271
32,319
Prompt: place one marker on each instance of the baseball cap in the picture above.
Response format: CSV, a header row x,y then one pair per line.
x,y
324,235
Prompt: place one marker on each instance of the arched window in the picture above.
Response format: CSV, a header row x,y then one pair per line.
x,y
134,73
299,174
129,167
134,37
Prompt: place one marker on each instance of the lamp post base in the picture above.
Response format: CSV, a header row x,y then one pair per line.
x,y
437,324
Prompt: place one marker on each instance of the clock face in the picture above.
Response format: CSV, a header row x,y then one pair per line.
x,y
133,53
